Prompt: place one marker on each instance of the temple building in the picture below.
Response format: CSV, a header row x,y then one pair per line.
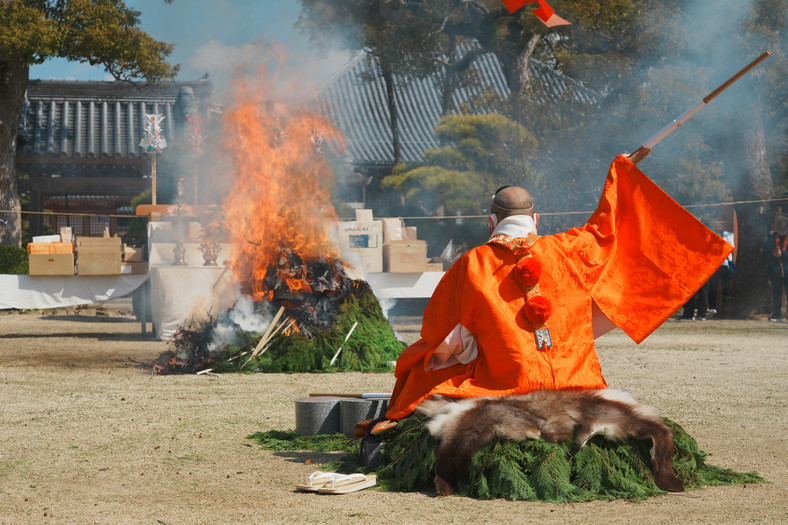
x,y
78,147
81,162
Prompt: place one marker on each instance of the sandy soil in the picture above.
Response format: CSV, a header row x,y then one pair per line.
x,y
87,437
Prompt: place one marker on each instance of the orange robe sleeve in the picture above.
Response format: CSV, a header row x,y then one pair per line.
x,y
656,253
638,258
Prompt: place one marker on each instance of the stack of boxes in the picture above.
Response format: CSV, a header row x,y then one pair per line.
x,y
403,252
49,255
363,238
133,260
57,255
385,245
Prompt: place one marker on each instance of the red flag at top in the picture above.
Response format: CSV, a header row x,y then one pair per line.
x,y
544,11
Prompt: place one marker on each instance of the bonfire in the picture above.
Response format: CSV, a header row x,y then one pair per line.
x,y
310,310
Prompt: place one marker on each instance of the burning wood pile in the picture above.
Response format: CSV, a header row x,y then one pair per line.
x,y
297,309
312,332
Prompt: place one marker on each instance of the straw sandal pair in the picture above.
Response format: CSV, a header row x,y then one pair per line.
x,y
335,483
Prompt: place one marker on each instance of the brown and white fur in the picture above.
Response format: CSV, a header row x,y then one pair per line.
x,y
464,426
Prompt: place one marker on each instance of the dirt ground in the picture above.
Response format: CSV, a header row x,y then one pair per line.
x,y
87,437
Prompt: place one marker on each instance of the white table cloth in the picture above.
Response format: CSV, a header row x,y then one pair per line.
x,y
25,292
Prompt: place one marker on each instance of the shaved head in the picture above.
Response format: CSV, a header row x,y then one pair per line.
x,y
512,200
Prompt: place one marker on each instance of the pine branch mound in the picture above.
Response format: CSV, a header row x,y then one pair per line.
x,y
534,470
372,347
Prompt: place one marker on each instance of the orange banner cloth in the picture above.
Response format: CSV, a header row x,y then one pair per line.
x,y
638,259
544,12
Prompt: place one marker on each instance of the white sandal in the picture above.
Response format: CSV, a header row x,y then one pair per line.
x,y
316,480
333,480
354,483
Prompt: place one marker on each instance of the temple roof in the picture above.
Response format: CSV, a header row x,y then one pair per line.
x,y
89,119
80,119
355,100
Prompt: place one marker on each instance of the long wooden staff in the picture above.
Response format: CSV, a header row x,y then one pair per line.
x,y
643,151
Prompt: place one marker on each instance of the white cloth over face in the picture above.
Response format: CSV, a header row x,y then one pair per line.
x,y
515,226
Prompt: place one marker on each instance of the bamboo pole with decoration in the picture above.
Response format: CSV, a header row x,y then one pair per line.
x,y
154,142
643,151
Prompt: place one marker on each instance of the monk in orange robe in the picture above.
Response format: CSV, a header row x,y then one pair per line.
x,y
521,312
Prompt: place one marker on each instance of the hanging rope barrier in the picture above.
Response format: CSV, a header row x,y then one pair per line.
x,y
438,218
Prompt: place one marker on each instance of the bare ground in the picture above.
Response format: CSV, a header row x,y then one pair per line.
x,y
87,437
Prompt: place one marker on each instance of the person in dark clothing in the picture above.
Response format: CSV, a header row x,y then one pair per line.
x,y
776,253
699,301
722,277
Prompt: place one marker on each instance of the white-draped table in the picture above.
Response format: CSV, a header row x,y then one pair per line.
x,y
26,292
180,292
404,285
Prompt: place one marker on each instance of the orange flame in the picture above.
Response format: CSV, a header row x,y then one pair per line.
x,y
279,199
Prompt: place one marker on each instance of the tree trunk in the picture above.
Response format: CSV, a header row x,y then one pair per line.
x,y
524,60
751,293
13,82
452,72
388,78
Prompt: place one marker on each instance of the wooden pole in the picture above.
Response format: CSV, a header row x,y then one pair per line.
x,y
196,182
643,151
358,395
153,178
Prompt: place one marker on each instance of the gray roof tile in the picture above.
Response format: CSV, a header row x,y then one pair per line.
x,y
358,106
99,119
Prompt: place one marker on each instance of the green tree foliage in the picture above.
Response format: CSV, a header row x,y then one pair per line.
x,y
13,260
478,154
99,32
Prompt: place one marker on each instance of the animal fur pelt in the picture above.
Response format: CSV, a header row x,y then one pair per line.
x,y
464,426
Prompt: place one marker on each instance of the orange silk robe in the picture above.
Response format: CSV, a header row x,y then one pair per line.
x,y
639,258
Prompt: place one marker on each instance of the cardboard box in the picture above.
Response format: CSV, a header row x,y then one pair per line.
x,y
392,229
363,215
98,256
66,234
50,247
133,268
361,241
51,263
410,233
371,261
405,257
133,254
361,234
434,265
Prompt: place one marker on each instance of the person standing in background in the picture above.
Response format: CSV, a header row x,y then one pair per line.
x,y
776,253
722,277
